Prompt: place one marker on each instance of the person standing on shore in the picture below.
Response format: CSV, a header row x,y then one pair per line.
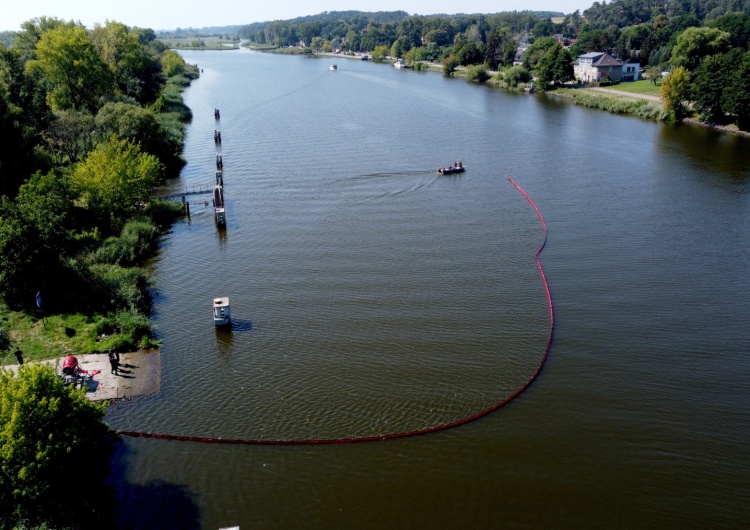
x,y
19,355
114,360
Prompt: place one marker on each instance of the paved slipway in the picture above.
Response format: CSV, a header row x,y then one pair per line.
x,y
139,374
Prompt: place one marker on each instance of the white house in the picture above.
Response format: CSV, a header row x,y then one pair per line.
x,y
594,66
631,71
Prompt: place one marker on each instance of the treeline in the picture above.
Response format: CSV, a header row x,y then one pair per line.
x,y
92,120
647,31
362,32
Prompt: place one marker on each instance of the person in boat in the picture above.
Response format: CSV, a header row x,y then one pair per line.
x,y
460,165
71,367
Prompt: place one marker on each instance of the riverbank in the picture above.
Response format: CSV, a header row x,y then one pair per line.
x,y
139,374
641,105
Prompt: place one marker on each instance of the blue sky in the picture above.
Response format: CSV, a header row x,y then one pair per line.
x,y
171,14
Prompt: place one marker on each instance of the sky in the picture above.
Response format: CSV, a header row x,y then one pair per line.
x,y
171,14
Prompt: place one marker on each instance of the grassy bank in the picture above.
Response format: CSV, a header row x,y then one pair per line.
x,y
636,107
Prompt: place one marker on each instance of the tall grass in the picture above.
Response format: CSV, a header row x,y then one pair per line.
x,y
637,107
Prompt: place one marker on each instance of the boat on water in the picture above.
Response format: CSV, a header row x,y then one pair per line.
x,y
334,67
222,316
402,64
450,170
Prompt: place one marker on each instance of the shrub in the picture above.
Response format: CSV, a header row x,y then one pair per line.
x,y
136,242
121,287
477,73
449,65
134,325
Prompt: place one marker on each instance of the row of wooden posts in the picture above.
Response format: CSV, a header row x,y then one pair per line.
x,y
219,208
218,198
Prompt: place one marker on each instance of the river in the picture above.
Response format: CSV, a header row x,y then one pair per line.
x,y
372,296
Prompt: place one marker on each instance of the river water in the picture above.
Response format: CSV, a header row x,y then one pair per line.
x,y
372,296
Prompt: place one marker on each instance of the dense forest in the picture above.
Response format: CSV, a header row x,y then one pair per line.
x,y
92,121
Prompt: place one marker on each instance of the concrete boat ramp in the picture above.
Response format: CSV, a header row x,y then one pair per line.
x,y
139,374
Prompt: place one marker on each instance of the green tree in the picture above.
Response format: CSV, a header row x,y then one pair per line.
x,y
133,123
675,90
555,66
737,93
23,113
450,64
114,179
708,83
400,47
69,136
468,52
135,68
653,73
515,75
52,441
694,44
537,50
380,52
493,52
34,240
69,62
172,63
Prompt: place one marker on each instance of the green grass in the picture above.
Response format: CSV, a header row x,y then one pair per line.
x,y
616,105
55,335
643,86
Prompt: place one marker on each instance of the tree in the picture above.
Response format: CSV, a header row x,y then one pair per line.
x,y
675,90
468,52
400,47
23,112
708,83
556,66
737,93
653,73
135,68
68,60
115,178
543,28
172,63
537,50
450,64
70,135
493,51
34,236
380,52
52,440
694,44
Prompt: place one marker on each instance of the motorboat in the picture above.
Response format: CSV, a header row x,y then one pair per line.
x,y
450,170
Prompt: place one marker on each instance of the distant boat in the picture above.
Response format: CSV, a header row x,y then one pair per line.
x,y
222,316
450,170
334,67
402,64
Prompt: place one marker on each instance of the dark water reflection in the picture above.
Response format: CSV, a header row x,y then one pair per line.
x,y
373,296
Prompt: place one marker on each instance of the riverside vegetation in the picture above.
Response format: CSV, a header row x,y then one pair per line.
x,y
94,119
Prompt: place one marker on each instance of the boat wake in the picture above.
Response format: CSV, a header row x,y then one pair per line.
x,y
363,187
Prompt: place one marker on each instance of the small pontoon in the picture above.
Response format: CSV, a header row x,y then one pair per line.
x,y
221,312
